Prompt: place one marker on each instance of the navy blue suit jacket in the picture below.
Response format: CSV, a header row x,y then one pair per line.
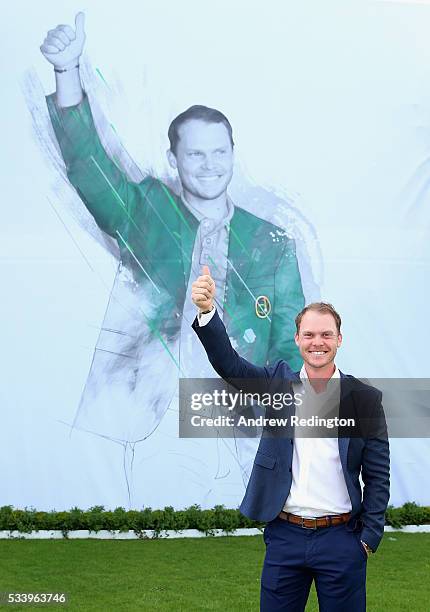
x,y
270,481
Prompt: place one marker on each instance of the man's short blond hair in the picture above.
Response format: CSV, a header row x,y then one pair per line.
x,y
322,307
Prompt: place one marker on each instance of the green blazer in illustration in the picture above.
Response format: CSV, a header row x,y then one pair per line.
x,y
155,233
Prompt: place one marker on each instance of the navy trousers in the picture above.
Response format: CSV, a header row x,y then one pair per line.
x,y
332,556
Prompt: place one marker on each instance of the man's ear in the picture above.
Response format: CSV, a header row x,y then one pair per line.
x,y
296,339
171,158
339,340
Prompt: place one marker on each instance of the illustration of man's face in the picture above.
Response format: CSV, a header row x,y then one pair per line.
x,y
203,159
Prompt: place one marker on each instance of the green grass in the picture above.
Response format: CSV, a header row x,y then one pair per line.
x,y
192,574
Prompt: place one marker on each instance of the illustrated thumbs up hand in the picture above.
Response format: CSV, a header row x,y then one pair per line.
x,y
203,290
63,46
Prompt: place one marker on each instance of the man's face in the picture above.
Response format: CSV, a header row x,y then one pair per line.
x,y
318,339
204,158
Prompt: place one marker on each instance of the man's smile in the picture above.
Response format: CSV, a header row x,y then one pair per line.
x,y
209,177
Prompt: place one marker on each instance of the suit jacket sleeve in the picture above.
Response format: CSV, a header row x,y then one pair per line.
x,y
227,362
101,184
289,300
375,473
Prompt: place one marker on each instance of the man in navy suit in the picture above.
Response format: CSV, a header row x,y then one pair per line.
x,y
321,525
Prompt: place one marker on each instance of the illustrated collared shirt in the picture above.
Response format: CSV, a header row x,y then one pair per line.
x,y
211,249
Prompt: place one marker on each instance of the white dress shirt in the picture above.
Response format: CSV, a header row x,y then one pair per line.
x,y
204,319
318,485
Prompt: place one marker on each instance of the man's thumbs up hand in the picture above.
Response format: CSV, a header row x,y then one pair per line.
x,y
63,45
203,290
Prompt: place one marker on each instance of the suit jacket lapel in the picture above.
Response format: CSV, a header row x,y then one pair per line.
x,y
346,409
285,445
188,226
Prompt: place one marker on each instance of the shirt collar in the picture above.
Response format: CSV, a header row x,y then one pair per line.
x,y
215,223
304,374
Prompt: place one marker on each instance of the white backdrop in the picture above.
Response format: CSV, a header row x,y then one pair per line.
x,y
330,103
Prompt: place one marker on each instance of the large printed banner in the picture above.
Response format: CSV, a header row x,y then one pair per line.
x,y
302,176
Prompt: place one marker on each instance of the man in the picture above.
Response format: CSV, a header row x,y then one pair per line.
x,y
321,525
163,240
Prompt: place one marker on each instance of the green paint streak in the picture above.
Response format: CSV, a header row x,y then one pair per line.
x,y
148,320
175,206
224,306
160,338
113,127
137,260
120,200
213,263
122,203
116,194
239,241
102,77
172,234
117,162
228,310
246,286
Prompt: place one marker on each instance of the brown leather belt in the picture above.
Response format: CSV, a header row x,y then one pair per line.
x,y
315,523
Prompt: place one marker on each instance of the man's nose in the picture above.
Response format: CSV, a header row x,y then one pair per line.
x,y
208,162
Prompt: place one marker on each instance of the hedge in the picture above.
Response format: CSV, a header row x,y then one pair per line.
x,y
219,517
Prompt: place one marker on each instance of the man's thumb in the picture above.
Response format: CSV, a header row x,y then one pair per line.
x,y
206,270
79,24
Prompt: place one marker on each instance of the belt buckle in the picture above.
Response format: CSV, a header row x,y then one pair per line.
x,y
313,518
